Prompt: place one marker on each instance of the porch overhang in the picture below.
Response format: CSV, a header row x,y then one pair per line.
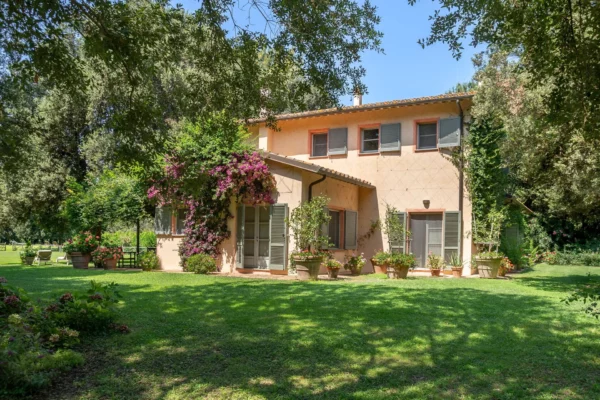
x,y
317,169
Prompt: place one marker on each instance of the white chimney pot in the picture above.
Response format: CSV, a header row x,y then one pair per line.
x,y
357,100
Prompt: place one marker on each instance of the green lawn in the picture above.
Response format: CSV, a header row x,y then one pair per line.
x,y
234,338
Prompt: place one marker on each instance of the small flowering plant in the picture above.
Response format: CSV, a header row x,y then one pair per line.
x,y
83,242
506,264
332,263
107,253
355,262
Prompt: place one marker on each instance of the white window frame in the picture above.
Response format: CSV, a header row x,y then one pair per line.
x,y
362,140
312,144
436,123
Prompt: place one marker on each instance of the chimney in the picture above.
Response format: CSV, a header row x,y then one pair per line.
x,y
357,100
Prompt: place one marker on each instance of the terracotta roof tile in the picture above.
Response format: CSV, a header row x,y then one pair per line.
x,y
317,169
372,106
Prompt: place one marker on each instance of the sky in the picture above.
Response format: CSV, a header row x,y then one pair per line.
x,y
405,70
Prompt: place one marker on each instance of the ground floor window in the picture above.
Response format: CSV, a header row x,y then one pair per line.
x,y
334,229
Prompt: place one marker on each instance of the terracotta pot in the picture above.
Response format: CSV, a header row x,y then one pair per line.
x,y
391,273
379,269
355,271
308,268
80,260
110,263
333,273
28,260
401,271
457,272
488,268
435,272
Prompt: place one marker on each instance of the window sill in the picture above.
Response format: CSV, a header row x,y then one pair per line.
x,y
317,157
425,150
368,154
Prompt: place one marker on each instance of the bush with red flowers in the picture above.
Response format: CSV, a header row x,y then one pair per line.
x,y
83,242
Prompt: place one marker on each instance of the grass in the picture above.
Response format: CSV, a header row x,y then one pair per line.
x,y
237,338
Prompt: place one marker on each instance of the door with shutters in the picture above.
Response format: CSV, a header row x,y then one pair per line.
x,y
426,235
261,237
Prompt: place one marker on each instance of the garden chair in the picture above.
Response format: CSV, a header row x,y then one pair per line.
x,y
66,258
43,256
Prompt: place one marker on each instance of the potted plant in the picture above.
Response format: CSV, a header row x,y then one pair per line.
x,y
80,248
107,256
487,234
28,254
382,260
306,222
456,264
355,263
333,267
399,264
435,264
505,266
394,229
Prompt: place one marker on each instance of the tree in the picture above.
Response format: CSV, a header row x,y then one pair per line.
x,y
94,206
557,41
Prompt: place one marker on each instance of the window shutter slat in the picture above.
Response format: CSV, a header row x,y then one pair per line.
x,y
239,236
449,132
451,234
278,237
338,141
162,220
390,137
350,229
398,246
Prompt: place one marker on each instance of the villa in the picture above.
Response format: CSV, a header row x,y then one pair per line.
x,y
362,157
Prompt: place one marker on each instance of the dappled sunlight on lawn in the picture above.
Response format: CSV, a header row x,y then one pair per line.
x,y
212,337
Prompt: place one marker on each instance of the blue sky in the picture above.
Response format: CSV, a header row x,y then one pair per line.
x,y
405,70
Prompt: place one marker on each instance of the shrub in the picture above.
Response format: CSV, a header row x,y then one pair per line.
x,y
149,261
148,239
434,261
332,263
83,242
355,262
401,260
201,264
35,338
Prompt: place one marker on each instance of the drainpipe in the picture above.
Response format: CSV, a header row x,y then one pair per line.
x,y
461,179
310,187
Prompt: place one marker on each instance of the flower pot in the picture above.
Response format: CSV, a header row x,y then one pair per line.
x,y
457,272
355,271
488,268
379,269
308,268
110,263
333,273
397,272
28,260
435,272
391,272
80,260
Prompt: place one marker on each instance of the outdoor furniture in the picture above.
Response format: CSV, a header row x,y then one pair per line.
x,y
66,258
43,256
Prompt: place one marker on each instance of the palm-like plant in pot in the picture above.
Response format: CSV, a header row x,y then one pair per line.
x,y
456,264
306,223
487,238
435,264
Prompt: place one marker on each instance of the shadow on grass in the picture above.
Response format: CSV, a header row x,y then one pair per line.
x,y
242,338
564,284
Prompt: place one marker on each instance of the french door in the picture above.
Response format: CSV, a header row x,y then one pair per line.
x,y
261,237
426,230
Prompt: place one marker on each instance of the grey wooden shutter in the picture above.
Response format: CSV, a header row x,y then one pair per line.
x,y
338,141
278,237
350,229
451,234
449,132
162,220
398,246
239,236
390,137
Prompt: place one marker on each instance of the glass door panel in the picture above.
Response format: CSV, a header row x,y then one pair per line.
x,y
250,259
263,236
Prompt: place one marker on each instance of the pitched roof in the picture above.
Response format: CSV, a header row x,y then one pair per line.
x,y
372,106
317,169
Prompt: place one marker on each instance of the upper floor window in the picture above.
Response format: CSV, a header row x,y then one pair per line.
x,y
427,136
319,145
369,140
